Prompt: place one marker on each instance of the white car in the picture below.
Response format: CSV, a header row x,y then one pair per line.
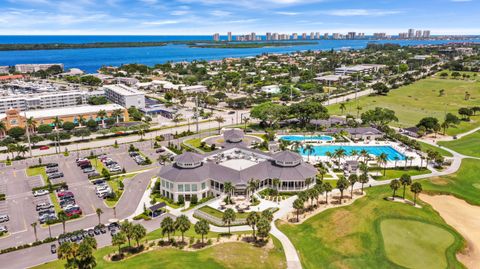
x,y
4,218
3,229
40,193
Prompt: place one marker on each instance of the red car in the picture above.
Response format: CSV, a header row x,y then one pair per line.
x,y
44,147
63,193
74,212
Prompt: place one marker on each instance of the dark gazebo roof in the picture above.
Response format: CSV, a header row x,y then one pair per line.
x,y
189,159
287,158
233,135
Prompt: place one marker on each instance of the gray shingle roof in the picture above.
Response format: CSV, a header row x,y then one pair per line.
x,y
287,156
189,157
233,135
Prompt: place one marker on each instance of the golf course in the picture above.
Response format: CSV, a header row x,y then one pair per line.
x,y
375,233
421,99
467,145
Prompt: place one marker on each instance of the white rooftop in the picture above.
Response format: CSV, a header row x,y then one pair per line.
x,y
238,164
66,111
123,90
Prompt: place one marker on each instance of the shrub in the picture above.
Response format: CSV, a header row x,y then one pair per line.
x,y
194,199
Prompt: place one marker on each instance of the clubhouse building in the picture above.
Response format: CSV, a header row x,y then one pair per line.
x,y
202,175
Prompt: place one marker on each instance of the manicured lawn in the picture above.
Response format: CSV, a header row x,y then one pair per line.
x,y
115,185
425,147
397,173
37,171
228,255
467,145
332,182
464,184
411,238
55,203
196,142
422,99
97,164
350,236
219,214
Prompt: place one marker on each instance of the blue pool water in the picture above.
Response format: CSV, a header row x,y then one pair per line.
x,y
293,138
374,150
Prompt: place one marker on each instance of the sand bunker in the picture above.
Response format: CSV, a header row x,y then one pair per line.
x,y
463,217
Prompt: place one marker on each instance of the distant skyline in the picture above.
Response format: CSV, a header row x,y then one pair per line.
x,y
205,17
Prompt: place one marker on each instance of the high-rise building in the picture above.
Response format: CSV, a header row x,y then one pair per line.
x,y
351,35
275,36
253,36
295,36
411,33
216,37
317,35
418,34
379,35
304,36
312,35
269,36
229,36
336,36
426,34
325,36
403,35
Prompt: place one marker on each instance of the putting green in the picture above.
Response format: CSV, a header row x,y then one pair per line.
x,y
414,244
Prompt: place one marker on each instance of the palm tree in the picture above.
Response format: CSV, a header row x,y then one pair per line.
x,y
342,184
396,158
382,159
339,154
62,216
416,188
353,178
127,228
246,120
81,121
68,251
102,114
177,118
202,228
228,188
327,187
298,204
363,178
31,124
116,114
219,120
406,180
364,154
252,220
276,184
138,232
309,149
394,185
354,153
252,186
168,227
343,107
308,181
99,212
3,128
182,224
34,225
57,122
228,217
119,239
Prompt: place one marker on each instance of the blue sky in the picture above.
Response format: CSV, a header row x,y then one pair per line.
x,y
198,17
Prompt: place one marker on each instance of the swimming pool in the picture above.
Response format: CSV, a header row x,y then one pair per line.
x,y
293,138
373,150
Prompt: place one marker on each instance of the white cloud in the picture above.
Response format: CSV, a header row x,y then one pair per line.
x,y
286,13
161,22
179,12
220,13
360,12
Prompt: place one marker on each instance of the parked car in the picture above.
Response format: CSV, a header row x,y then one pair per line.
x,y
47,212
64,193
93,174
43,206
53,248
40,193
44,147
97,231
50,165
88,170
4,218
3,229
160,150
99,182
67,202
51,170
46,217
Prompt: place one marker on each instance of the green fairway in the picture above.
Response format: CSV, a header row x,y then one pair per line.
x,y
414,244
228,255
422,99
463,184
397,173
467,145
424,147
351,237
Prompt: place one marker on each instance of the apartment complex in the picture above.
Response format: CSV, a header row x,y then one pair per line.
x,y
125,96
32,68
362,68
4,69
46,100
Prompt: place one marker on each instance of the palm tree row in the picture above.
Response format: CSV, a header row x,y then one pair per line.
x,y
406,180
183,224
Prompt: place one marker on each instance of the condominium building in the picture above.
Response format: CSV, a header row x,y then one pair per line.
x,y
411,33
325,36
312,35
269,36
426,34
32,68
229,36
4,69
317,35
125,96
418,34
351,35
304,36
216,37
46,100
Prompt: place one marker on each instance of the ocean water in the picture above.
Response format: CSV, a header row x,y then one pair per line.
x,y
91,59
374,150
